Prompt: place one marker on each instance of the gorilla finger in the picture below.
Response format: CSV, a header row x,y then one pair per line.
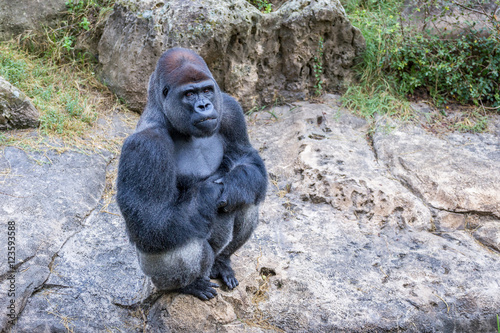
x,y
229,208
214,285
222,204
219,181
222,200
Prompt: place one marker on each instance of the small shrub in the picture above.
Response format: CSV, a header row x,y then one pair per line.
x,y
262,5
318,68
402,59
58,43
465,69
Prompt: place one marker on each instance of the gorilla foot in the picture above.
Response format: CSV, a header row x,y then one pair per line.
x,y
222,269
201,288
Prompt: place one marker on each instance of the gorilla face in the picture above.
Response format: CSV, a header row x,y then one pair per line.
x,y
190,97
197,100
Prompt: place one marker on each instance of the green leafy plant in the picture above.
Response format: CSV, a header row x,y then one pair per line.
x,y
318,68
465,69
75,6
67,43
262,5
58,43
85,24
450,65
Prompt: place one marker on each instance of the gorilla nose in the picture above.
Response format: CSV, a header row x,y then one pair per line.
x,y
203,107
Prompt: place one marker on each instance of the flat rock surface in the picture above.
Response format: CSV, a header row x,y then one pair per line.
x,y
363,230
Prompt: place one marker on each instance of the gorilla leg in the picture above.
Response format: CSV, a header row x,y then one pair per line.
x,y
245,222
221,233
184,269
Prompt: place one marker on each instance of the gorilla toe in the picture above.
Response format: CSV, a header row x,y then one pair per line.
x,y
230,281
222,269
201,288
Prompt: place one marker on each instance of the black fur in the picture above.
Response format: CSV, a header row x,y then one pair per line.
x,y
189,182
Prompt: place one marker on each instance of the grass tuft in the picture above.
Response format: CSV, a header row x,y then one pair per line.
x,y
375,93
68,97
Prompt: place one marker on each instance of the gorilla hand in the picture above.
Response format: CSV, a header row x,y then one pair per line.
x,y
210,193
229,199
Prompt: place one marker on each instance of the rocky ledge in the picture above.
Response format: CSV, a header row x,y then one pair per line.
x,y
364,229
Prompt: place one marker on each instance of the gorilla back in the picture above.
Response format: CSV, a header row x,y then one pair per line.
x,y
189,181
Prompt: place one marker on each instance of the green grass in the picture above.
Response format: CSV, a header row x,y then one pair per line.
x,y
66,96
400,61
263,5
375,92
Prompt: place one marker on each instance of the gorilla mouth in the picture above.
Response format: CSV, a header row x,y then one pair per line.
x,y
203,120
206,125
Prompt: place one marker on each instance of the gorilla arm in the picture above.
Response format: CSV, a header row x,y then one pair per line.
x,y
157,219
242,171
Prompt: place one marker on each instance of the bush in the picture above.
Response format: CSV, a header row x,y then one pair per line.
x,y
402,59
464,69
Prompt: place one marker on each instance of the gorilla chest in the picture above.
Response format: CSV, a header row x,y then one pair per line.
x,y
198,157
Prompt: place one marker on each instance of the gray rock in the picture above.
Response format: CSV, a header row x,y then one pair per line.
x,y
16,110
457,173
48,196
18,16
360,252
259,58
349,239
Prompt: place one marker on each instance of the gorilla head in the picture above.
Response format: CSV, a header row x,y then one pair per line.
x,y
183,87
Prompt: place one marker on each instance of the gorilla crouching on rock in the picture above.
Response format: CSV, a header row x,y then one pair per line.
x,y
189,181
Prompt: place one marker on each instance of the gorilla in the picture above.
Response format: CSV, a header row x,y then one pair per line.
x,y
189,182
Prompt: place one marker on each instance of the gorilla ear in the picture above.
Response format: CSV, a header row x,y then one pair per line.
x,y
165,91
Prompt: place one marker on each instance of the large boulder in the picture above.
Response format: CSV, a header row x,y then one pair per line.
x,y
259,58
19,16
16,110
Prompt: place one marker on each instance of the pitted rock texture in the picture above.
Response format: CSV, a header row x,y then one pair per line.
x,y
16,110
362,230
259,58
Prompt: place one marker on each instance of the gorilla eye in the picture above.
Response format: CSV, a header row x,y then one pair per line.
x,y
165,92
207,90
189,94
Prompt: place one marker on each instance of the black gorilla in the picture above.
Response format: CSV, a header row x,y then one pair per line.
x,y
189,182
